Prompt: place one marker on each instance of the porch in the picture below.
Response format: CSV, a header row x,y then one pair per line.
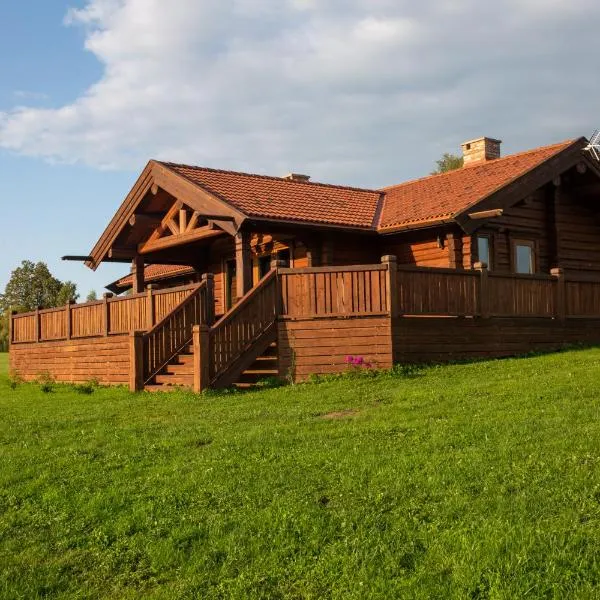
x,y
314,317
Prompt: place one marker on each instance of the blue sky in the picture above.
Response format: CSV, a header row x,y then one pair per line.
x,y
363,92
51,209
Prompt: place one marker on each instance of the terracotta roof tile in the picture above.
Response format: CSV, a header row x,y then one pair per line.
x,y
274,197
440,197
155,273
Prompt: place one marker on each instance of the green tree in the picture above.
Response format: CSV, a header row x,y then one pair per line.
x,y
30,285
67,293
92,296
448,162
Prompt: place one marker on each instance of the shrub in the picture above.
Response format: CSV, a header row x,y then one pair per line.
x,y
14,379
46,381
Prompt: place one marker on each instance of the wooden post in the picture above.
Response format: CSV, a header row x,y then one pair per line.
x,y
243,263
201,345
136,361
11,330
561,296
484,289
106,312
137,272
38,324
209,278
150,308
68,318
392,283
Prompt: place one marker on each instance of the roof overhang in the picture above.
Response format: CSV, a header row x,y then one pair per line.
x,y
472,216
156,179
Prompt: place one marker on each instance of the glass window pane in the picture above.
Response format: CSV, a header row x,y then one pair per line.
x,y
483,249
524,259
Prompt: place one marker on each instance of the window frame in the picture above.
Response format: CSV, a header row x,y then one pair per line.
x,y
489,238
532,245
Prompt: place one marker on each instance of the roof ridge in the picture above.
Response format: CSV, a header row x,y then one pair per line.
x,y
270,177
478,164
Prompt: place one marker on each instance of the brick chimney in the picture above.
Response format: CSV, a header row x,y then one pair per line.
x,y
480,150
296,177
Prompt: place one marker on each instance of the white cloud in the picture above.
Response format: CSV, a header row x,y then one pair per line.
x,y
367,91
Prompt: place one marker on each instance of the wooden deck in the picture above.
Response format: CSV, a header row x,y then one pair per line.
x,y
318,316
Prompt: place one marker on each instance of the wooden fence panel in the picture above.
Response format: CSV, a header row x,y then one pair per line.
x,y
53,324
87,320
521,295
165,301
437,292
333,291
128,314
23,328
582,298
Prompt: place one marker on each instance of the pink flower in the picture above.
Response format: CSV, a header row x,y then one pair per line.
x,y
358,360
349,359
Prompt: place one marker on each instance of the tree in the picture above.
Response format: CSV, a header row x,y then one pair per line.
x,y
92,296
448,162
30,285
67,293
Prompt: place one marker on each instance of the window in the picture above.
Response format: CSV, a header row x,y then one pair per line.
x,y
524,256
483,250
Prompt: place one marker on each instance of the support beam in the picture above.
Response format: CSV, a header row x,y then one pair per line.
x,y
137,272
243,263
144,220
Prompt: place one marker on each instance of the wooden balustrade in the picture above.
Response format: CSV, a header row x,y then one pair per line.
x,y
170,335
437,291
522,295
112,315
245,323
334,291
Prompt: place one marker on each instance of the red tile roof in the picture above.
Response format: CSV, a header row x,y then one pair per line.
x,y
277,198
154,273
440,197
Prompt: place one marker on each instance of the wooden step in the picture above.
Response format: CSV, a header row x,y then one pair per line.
x,y
153,387
165,379
178,369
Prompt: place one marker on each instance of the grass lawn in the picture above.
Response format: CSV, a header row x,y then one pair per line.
x,y
466,481
3,363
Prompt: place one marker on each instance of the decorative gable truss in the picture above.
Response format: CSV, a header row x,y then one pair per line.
x,y
182,224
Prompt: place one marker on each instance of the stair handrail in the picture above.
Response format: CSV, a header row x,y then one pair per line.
x,y
223,354
174,331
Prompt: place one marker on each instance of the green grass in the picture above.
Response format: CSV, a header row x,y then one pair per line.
x,y
3,363
466,481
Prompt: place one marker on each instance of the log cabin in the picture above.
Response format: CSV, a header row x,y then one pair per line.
x,y
237,276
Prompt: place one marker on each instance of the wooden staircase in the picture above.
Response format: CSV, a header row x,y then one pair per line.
x,y
179,373
238,350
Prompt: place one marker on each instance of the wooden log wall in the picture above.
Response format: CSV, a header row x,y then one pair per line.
x,y
443,339
318,346
103,358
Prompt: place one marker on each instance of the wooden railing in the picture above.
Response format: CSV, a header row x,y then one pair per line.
x,y
334,291
170,335
423,291
111,315
243,325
